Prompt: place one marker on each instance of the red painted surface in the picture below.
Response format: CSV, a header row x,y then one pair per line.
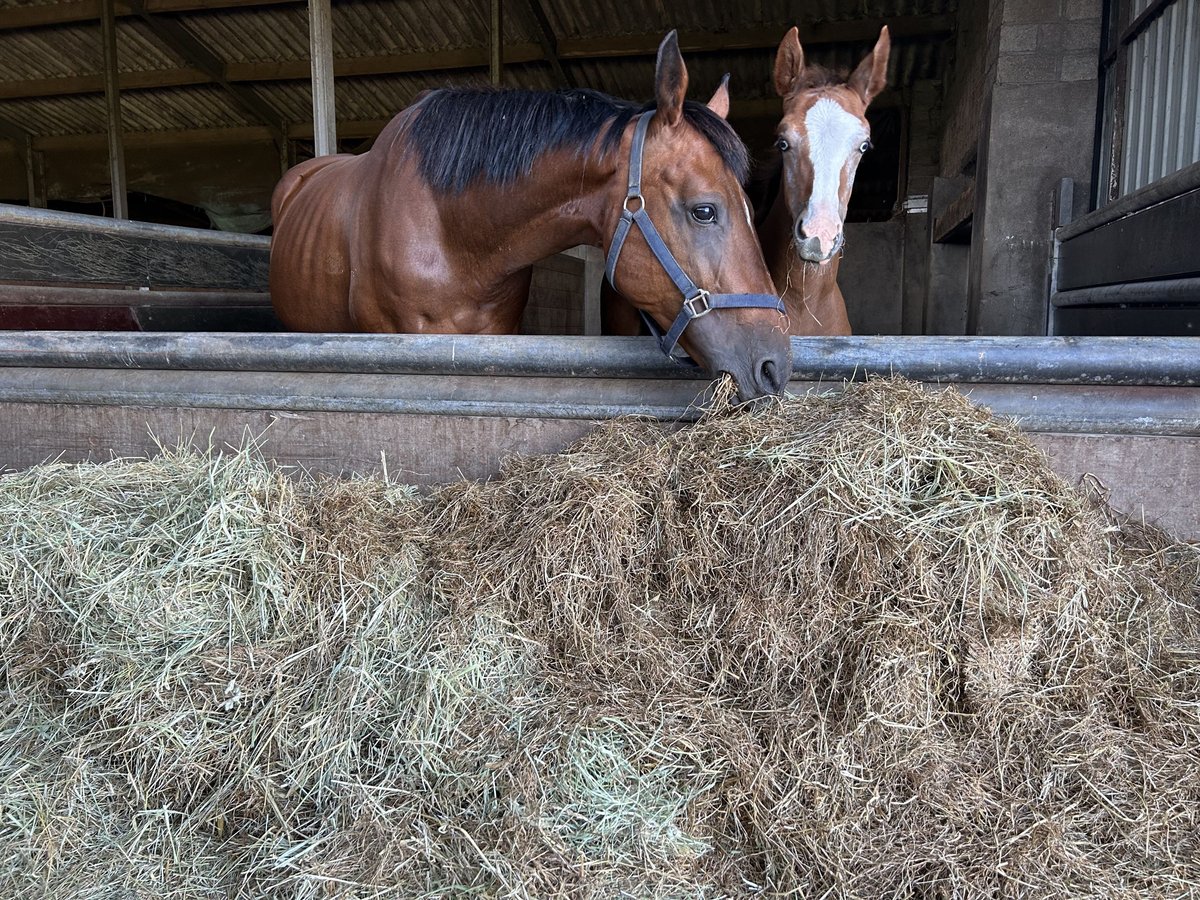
x,y
67,318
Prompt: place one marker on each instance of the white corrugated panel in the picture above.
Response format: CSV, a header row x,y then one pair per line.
x,y
1162,118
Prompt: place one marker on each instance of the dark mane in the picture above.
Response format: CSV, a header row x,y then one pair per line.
x,y
764,185
497,134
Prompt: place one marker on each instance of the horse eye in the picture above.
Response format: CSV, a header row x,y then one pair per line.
x,y
704,214
782,145
865,146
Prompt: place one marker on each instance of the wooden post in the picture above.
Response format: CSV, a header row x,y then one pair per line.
x,y
496,60
320,41
35,173
112,103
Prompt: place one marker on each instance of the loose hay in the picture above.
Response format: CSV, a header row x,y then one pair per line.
x,y
860,645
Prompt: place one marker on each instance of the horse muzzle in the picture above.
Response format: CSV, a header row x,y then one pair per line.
x,y
758,358
816,250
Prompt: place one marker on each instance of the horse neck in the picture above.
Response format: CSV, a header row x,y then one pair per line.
x,y
562,203
810,292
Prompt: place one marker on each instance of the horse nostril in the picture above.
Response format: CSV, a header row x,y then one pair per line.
x,y
770,378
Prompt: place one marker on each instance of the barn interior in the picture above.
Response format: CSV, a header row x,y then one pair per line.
x,y
998,126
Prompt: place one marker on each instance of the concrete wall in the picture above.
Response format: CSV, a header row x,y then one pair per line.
x,y
1020,116
1038,128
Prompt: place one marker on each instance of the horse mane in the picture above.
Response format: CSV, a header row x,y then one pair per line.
x,y
764,184
464,133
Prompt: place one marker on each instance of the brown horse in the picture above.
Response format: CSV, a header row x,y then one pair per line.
x,y
435,229
821,138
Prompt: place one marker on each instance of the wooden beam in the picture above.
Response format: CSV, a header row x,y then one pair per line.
x,y
68,12
94,84
549,42
356,129
112,106
387,64
320,42
246,134
496,42
194,51
910,27
759,37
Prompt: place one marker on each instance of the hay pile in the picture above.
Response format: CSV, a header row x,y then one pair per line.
x,y
861,645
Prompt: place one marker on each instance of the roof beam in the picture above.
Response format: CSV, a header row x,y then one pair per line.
x,y
194,51
357,129
549,42
70,12
910,27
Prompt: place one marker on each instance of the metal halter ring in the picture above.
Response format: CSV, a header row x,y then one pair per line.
x,y
698,304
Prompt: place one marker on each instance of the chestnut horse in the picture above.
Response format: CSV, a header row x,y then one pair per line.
x,y
821,138
437,226
802,193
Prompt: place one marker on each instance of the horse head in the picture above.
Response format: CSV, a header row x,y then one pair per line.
x,y
821,138
711,290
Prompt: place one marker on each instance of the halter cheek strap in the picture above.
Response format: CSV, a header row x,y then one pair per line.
x,y
697,302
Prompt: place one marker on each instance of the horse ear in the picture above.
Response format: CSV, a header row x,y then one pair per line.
x,y
720,98
871,75
789,63
670,81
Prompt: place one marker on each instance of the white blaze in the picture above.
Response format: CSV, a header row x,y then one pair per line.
x,y
833,137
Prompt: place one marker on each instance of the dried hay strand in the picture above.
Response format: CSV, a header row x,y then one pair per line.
x,y
857,645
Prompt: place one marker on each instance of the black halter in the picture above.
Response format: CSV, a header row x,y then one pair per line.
x,y
697,302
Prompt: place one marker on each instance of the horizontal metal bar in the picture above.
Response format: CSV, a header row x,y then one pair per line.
x,y
1030,360
1043,408
45,218
1170,290
1186,179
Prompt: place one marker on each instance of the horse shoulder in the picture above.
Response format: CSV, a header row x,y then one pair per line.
x,y
295,177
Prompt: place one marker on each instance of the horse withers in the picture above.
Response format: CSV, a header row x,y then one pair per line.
x,y
820,140
437,226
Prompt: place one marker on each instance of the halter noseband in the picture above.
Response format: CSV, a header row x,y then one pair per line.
x,y
697,302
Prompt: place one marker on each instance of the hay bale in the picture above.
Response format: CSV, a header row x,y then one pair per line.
x,y
858,645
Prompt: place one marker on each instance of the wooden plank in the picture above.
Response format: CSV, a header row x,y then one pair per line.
x,y
496,42
1154,477
112,107
549,42
57,254
1158,242
72,295
66,12
94,84
320,40
418,449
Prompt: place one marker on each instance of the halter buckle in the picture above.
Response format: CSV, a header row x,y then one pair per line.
x,y
698,304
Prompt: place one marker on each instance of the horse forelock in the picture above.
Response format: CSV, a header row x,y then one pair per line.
x,y
816,76
461,135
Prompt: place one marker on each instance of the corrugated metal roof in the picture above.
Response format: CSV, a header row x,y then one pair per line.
x,y
373,29
63,51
